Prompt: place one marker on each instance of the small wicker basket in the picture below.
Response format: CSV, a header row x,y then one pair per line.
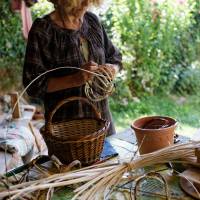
x,y
76,139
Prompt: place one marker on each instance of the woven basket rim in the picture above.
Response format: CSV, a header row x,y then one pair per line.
x,y
45,131
59,140
80,118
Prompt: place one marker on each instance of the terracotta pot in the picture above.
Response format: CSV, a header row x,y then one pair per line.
x,y
154,133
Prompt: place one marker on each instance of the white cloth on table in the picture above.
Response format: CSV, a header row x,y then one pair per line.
x,y
16,138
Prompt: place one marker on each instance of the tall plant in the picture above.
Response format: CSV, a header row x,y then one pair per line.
x,y
12,47
154,39
11,42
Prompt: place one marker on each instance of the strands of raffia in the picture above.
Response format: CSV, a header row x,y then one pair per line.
x,y
100,179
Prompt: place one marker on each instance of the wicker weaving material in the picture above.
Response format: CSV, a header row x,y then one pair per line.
x,y
76,139
67,130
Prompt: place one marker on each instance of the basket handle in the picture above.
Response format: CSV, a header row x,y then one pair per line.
x,y
70,99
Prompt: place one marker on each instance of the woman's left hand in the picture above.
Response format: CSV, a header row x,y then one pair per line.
x,y
113,69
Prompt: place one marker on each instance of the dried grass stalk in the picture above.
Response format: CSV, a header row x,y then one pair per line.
x,y
100,179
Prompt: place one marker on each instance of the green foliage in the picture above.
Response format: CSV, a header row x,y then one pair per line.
x,y
189,81
121,92
42,8
11,42
156,40
12,47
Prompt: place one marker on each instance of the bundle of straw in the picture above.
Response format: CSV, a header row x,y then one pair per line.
x,y
99,180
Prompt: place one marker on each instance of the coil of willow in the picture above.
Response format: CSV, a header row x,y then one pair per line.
x,y
100,86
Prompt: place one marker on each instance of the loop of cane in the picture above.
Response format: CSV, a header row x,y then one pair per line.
x,y
101,85
152,175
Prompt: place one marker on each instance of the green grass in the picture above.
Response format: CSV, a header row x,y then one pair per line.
x,y
184,109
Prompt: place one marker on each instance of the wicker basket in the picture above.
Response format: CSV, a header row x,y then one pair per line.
x,y
76,139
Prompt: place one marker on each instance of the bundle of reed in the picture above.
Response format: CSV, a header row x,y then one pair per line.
x,y
99,180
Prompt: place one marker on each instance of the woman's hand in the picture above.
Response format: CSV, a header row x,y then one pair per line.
x,y
86,76
113,69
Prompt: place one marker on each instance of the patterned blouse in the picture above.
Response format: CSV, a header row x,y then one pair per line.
x,y
50,46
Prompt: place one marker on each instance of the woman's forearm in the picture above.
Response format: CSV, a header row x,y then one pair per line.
x,y
64,82
70,81
76,80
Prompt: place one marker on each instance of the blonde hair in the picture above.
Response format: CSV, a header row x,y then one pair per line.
x,y
73,7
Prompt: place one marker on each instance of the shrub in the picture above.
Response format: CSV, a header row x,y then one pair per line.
x,y
12,46
41,8
156,41
12,42
189,81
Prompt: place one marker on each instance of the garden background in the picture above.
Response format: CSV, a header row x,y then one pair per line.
x,y
160,43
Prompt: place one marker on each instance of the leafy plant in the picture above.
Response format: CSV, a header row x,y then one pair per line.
x,y
156,40
42,8
12,47
11,43
189,82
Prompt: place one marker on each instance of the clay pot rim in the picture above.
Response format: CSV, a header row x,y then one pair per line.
x,y
155,130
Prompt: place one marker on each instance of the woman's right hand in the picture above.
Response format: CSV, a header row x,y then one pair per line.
x,y
90,66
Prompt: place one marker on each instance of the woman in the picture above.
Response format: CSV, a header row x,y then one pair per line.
x,y
69,36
